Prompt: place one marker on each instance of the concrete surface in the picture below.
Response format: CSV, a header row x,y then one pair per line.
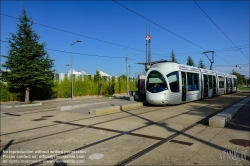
x,y
105,110
71,107
110,138
221,119
112,109
19,104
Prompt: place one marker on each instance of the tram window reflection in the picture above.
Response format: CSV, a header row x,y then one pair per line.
x,y
193,81
173,80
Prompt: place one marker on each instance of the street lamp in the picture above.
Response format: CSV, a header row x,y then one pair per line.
x,y
72,93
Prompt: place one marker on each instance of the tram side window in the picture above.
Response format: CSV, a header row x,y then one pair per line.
x,y
227,82
214,85
235,82
230,82
210,82
221,82
173,80
214,81
193,81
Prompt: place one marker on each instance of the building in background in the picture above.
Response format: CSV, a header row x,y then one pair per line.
x,y
105,76
81,74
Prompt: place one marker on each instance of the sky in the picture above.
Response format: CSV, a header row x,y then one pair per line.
x,y
109,31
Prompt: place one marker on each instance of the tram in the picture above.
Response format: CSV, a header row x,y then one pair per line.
x,y
171,83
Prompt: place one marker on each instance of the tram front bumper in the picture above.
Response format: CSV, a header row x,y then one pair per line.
x,y
157,98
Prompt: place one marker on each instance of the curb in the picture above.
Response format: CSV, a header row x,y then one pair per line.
x,y
113,109
23,105
220,120
70,107
105,110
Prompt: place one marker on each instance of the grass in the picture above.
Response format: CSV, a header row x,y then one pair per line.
x,y
244,88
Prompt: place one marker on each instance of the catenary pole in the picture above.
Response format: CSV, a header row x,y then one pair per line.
x,y
127,73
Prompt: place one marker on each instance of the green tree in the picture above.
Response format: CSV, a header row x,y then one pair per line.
x,y
173,59
240,78
122,79
27,65
201,64
97,80
110,89
190,61
97,76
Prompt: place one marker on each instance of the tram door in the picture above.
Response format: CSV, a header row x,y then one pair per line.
x,y
205,83
231,85
184,85
214,85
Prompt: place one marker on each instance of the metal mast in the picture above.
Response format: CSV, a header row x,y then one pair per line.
x,y
211,60
127,83
148,49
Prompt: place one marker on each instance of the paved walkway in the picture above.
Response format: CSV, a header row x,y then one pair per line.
x,y
11,103
210,146
241,119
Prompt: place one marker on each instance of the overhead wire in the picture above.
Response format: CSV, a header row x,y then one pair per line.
x,y
165,28
223,59
193,53
198,52
158,25
115,43
81,35
135,59
219,28
92,55
233,65
78,34
101,56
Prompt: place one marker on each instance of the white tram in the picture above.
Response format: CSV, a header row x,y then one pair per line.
x,y
172,83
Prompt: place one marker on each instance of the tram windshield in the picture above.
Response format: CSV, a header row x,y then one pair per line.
x,y
156,82
173,80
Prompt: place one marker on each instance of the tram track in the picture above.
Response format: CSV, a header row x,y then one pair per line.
x,y
137,155
150,148
146,150
92,126
80,120
81,127
98,128
110,120
129,133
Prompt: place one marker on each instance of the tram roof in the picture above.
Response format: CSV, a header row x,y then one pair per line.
x,y
172,66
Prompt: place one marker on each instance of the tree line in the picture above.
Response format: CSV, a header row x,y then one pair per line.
x,y
83,86
241,78
29,74
190,61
